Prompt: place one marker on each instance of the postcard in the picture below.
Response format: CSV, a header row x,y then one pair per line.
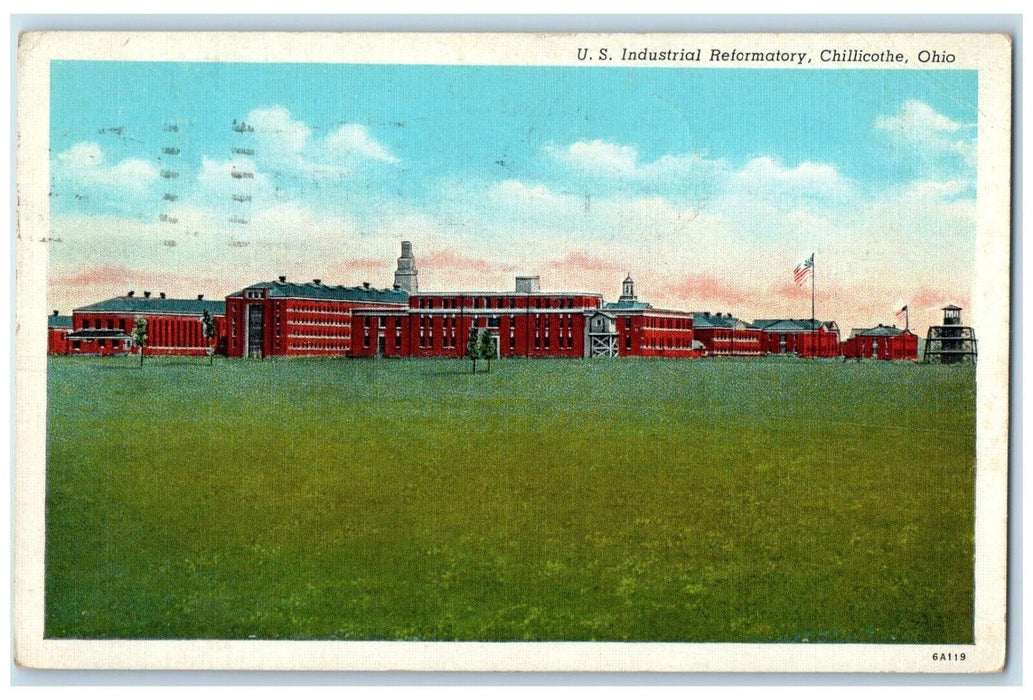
x,y
551,352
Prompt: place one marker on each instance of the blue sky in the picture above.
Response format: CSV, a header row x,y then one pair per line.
x,y
707,184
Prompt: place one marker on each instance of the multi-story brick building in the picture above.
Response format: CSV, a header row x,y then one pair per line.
x,y
281,318
724,334
58,328
881,342
632,328
287,318
173,325
798,336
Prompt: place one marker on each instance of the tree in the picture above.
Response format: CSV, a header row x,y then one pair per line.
x,y
140,335
208,328
486,346
473,347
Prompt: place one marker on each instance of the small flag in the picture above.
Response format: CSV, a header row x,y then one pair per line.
x,y
801,271
902,314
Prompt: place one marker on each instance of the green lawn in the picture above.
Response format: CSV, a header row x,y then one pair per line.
x,y
668,500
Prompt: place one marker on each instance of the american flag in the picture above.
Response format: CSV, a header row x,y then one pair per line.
x,y
902,314
802,270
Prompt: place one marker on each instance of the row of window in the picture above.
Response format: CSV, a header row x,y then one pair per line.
x,y
668,323
108,324
666,344
101,344
318,346
335,336
297,311
299,327
175,332
493,302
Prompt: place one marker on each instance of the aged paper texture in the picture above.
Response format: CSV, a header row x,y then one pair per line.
x,y
575,352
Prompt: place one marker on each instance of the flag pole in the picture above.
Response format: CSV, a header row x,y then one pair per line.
x,y
814,337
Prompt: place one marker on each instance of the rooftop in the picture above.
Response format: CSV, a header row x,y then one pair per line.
x,y
136,304
98,334
627,306
790,325
705,319
317,290
879,330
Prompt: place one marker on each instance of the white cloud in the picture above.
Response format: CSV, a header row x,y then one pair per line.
x,y
597,156
920,127
918,121
354,140
278,135
621,162
515,191
765,171
286,147
82,155
84,165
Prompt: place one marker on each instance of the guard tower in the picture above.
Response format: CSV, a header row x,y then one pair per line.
x,y
951,343
406,274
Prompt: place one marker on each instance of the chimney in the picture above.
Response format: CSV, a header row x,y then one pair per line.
x,y
395,287
131,293
200,297
55,312
283,279
528,284
146,295
365,285
316,280
162,295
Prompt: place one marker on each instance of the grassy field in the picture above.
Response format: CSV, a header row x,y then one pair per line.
x,y
716,500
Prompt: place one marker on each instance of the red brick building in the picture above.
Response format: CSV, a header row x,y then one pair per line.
x,y
58,328
523,323
285,318
173,325
282,318
723,334
526,322
795,336
632,328
881,342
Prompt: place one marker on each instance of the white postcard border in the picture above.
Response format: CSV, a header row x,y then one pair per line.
x,y
989,54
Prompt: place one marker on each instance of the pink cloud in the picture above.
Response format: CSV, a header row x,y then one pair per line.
x,y
102,275
582,262
707,288
449,261
363,264
792,292
929,298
